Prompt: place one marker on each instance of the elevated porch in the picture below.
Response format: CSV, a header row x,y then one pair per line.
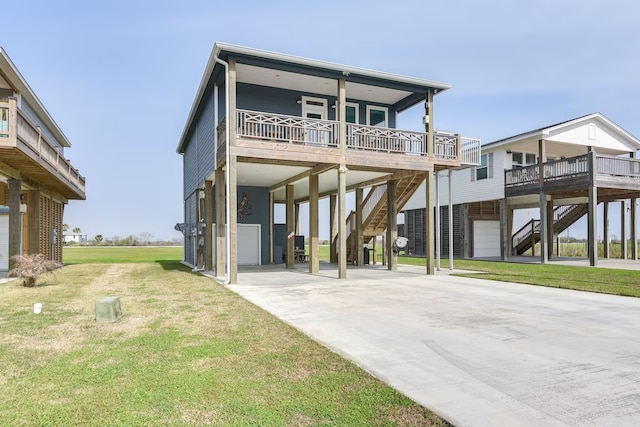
x,y
285,138
26,151
615,177
565,190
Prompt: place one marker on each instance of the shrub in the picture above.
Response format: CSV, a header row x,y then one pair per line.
x,y
29,267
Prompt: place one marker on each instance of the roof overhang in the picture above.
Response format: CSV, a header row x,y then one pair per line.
x,y
13,77
529,141
265,68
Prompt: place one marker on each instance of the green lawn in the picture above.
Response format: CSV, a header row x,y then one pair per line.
x,y
188,352
592,279
119,254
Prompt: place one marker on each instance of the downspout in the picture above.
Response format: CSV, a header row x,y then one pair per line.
x,y
227,260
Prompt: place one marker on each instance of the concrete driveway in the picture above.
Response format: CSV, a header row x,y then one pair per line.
x,y
477,352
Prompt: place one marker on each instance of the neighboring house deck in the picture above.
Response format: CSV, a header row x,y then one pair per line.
x,y
299,130
36,180
565,170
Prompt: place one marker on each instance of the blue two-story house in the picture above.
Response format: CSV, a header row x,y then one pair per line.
x,y
267,128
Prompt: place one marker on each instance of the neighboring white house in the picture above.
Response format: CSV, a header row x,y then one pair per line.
x,y
586,161
74,238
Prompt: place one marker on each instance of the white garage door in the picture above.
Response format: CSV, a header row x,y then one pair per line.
x,y
4,242
486,239
249,248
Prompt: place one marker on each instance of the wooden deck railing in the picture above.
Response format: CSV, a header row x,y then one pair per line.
x,y
299,130
573,167
31,135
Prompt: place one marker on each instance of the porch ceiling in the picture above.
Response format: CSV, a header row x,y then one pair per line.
x,y
269,175
559,148
323,86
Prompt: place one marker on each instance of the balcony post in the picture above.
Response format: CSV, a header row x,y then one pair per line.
x,y
314,243
15,231
633,223
634,230
429,244
290,226
271,226
333,226
359,235
592,215
550,228
450,212
438,233
504,230
428,126
605,222
542,159
623,229
342,222
342,113
392,224
220,186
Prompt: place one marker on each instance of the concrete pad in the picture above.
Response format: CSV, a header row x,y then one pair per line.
x,y
477,352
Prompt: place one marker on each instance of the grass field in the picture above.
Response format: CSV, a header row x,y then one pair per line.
x,y
120,254
187,352
591,279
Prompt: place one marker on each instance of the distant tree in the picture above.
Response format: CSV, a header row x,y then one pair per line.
x,y
77,230
98,238
145,236
65,227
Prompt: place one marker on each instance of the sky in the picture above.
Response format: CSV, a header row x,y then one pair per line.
x,y
120,77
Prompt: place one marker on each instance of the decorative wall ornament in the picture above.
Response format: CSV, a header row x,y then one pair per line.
x,y
244,207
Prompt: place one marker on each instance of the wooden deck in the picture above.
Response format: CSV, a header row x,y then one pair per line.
x,y
288,139
25,149
613,176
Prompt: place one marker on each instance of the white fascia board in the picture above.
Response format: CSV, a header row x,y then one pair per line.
x,y
16,80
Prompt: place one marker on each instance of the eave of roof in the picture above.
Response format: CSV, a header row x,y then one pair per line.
x,y
16,80
542,132
224,50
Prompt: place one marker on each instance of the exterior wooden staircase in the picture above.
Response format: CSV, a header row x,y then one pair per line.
x,y
374,211
563,217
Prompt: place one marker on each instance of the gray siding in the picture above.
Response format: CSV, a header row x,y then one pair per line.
x,y
283,101
198,158
258,198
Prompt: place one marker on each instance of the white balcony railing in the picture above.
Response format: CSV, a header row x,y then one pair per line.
x,y
471,151
299,130
287,129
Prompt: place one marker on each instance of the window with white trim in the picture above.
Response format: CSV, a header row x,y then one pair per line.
x,y
377,116
352,114
519,160
482,170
